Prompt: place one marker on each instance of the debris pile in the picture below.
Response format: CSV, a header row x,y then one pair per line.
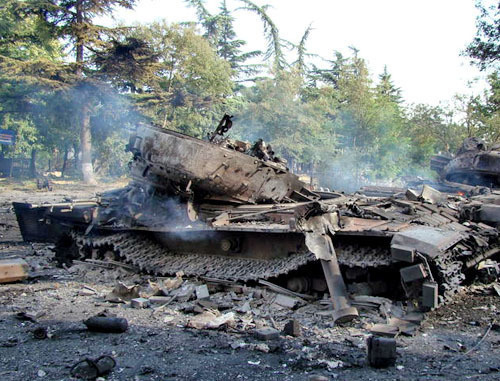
x,y
251,246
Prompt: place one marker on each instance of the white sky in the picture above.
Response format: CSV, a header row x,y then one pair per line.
x,y
419,40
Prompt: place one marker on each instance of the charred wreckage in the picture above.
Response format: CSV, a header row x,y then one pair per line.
x,y
223,209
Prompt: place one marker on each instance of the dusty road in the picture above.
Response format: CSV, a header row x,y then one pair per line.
x,y
159,345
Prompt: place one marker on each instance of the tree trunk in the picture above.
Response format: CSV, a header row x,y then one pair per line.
x,y
86,145
311,184
77,159
33,163
65,162
79,39
85,136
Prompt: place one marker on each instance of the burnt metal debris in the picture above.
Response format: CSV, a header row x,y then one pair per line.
x,y
223,209
106,324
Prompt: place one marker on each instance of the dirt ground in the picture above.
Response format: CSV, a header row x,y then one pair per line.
x,y
457,341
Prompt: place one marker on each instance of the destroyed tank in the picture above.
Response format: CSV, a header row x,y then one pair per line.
x,y
474,164
226,210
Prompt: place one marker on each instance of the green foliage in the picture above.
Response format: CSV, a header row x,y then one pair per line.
x,y
219,32
485,47
276,112
490,109
271,32
110,156
333,121
300,63
433,130
186,84
27,137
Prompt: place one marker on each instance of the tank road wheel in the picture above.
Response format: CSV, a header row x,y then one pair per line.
x,y
66,250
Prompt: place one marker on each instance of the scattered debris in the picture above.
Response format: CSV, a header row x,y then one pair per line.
x,y
331,364
381,351
431,195
212,320
496,287
26,316
266,334
89,369
262,348
123,293
209,305
107,264
13,270
285,291
286,301
159,299
411,195
139,303
173,283
317,377
292,328
384,330
202,292
86,292
490,326
185,293
106,324
40,333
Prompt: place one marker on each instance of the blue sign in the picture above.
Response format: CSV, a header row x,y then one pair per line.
x,y
7,137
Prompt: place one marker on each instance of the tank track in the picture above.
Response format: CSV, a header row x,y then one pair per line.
x,y
450,267
150,257
353,255
448,272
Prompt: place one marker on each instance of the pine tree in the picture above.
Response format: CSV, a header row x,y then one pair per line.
x,y
219,32
271,32
386,88
230,48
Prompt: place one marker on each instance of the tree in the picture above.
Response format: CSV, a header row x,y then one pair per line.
x,y
294,125
23,102
185,87
211,23
491,110
432,129
219,31
300,63
485,47
229,47
72,21
366,119
386,88
487,110
271,32
469,112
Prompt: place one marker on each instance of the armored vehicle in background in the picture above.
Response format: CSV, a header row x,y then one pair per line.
x,y
474,164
